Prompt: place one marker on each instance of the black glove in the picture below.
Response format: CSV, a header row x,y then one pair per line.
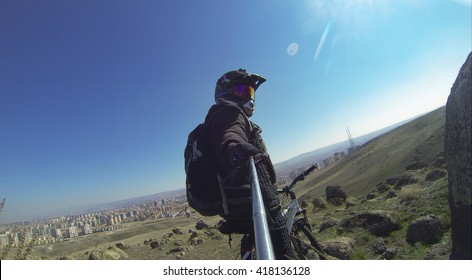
x,y
240,153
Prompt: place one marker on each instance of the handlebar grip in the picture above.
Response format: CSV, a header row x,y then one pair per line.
x,y
309,170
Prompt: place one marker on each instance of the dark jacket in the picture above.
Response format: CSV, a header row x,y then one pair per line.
x,y
228,127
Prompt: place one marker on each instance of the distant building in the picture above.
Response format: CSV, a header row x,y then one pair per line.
x,y
4,240
72,232
87,229
56,233
110,220
328,161
337,156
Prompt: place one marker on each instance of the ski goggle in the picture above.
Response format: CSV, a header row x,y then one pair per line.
x,y
244,92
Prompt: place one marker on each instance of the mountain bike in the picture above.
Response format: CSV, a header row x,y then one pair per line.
x,y
303,242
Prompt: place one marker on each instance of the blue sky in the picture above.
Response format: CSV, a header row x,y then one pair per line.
x,y
97,97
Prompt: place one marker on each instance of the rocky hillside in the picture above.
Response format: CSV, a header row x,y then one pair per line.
x,y
418,142
388,200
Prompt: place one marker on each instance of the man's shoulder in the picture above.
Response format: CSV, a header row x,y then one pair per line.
x,y
224,112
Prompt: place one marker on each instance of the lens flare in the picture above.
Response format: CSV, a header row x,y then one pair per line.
x,y
292,49
322,40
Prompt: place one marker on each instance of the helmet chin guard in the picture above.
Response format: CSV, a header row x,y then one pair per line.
x,y
249,107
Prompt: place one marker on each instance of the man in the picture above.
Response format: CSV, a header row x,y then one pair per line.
x,y
233,138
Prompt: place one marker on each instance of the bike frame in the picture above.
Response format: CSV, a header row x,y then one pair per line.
x,y
290,213
294,208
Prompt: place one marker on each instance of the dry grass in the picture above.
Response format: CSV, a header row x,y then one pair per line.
x,y
410,193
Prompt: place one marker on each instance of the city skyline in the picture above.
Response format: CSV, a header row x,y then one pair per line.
x,y
59,228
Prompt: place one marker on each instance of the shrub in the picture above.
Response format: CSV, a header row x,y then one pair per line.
x,y
410,193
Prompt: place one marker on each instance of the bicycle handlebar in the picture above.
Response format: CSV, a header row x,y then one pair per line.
x,y
300,177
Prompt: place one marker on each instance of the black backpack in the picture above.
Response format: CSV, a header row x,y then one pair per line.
x,y
202,187
203,190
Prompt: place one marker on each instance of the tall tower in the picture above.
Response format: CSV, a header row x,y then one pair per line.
x,y
351,141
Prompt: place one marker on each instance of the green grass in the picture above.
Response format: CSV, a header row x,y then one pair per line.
x,y
358,255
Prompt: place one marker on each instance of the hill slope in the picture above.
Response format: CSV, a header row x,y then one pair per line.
x,y
383,157
306,159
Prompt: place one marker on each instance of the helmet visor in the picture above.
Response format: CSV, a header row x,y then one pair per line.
x,y
244,92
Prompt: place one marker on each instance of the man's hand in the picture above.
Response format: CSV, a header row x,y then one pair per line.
x,y
240,153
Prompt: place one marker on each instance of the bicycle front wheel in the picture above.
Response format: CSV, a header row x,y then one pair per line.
x,y
305,244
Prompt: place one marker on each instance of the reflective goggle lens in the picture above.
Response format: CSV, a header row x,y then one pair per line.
x,y
244,91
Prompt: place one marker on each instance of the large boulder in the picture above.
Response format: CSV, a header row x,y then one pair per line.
x,y
201,224
154,244
435,174
112,253
329,223
458,150
427,230
122,246
339,247
405,179
377,222
417,165
335,195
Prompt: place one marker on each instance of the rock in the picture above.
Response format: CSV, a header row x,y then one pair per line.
x,y
382,187
351,202
427,230
405,179
391,194
458,154
391,181
371,195
435,175
438,252
339,247
331,222
379,223
319,203
335,195
197,241
154,244
379,246
65,258
416,165
177,250
96,255
122,246
390,253
201,225
177,231
111,253
147,242
193,234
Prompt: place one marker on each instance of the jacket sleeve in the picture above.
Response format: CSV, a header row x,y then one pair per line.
x,y
230,128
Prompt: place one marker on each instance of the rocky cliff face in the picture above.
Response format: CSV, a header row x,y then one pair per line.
x,y
458,153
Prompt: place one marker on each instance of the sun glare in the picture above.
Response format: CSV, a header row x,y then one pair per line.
x,y
343,11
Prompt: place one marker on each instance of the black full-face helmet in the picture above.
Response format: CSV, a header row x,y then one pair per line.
x,y
238,87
